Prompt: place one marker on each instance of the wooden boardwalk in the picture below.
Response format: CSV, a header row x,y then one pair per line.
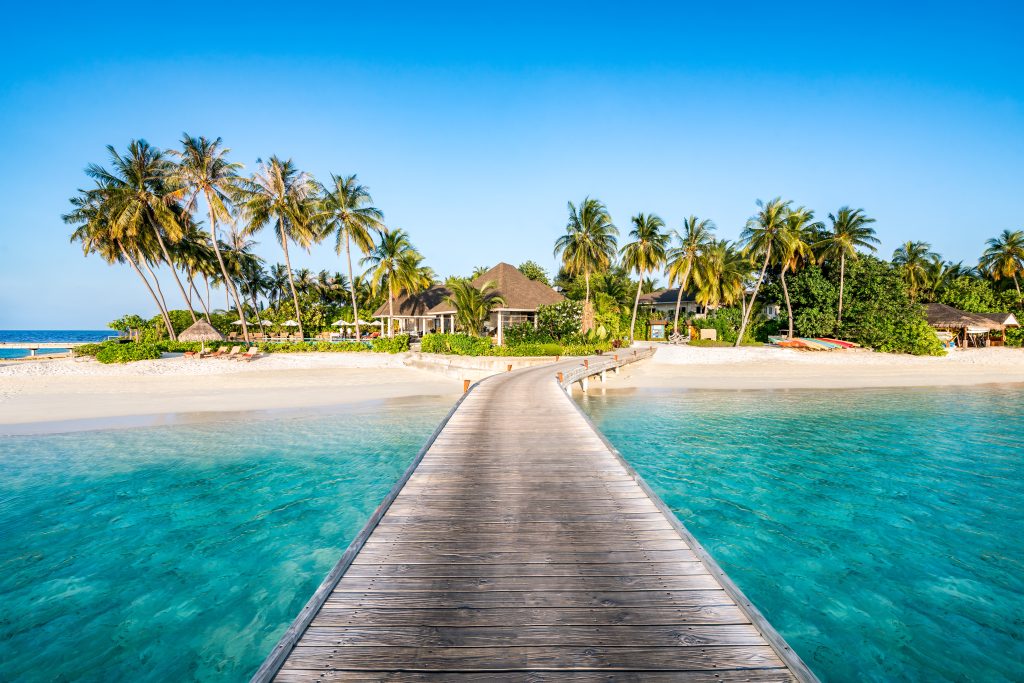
x,y
520,546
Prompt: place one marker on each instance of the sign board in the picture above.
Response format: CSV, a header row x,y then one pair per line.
x,y
711,334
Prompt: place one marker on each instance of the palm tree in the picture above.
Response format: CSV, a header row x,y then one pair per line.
x,y
759,239
478,271
1004,257
278,283
589,242
719,274
645,254
139,199
473,306
90,212
912,260
396,268
697,235
794,248
203,169
282,195
851,230
195,256
349,214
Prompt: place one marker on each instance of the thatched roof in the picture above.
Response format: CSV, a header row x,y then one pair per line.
x,y
1004,319
200,331
519,292
664,296
943,316
416,305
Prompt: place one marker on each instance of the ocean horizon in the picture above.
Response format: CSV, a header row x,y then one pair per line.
x,y
48,337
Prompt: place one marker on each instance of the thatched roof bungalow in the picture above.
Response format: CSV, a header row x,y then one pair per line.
x,y
969,329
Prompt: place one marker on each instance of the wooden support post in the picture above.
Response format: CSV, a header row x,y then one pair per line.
x,y
465,385
586,363
616,357
508,368
584,385
602,376
560,378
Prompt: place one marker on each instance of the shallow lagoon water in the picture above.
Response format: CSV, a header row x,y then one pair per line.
x,y
878,530
182,552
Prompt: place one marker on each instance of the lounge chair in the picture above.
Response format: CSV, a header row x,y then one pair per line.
x,y
233,352
216,354
251,354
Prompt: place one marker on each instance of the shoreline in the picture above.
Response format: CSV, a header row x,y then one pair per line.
x,y
62,395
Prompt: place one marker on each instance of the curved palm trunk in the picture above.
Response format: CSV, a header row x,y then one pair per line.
x,y
753,297
229,285
352,288
679,297
291,282
785,293
163,303
636,304
174,272
163,313
842,277
586,276
192,284
391,313
1016,283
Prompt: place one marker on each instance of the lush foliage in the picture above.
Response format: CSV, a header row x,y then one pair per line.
x,y
561,320
114,352
457,344
466,345
533,271
397,344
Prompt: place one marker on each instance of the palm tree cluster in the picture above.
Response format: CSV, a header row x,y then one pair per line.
x,y
147,208
778,240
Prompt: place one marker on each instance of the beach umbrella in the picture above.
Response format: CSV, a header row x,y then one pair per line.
x,y
202,332
290,323
239,322
343,323
365,322
266,323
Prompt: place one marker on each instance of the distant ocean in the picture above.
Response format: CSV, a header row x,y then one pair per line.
x,y
48,336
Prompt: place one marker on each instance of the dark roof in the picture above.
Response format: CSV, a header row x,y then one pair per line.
x,y
941,315
664,296
519,292
1005,319
416,305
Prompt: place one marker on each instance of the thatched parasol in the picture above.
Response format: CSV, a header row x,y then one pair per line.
x,y
202,332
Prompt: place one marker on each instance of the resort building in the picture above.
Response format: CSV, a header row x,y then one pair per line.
x,y
430,311
663,301
963,329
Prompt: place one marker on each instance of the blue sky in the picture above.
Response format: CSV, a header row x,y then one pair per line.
x,y
474,125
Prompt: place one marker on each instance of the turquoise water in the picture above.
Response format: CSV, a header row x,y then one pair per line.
x,y
33,336
879,531
182,553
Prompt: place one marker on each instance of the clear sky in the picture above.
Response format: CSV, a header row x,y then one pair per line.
x,y
474,124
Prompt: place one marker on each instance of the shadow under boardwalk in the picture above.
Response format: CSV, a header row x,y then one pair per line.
x,y
522,547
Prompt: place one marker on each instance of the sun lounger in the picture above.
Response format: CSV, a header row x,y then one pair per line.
x,y
251,354
216,354
233,352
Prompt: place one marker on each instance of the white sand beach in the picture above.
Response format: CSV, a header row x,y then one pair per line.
x,y
774,368
82,389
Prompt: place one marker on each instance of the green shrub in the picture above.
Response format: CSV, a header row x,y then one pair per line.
x,y
524,333
457,344
526,350
560,320
397,344
179,347
127,353
585,349
1015,336
88,349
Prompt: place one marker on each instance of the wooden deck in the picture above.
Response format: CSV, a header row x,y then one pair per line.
x,y
520,546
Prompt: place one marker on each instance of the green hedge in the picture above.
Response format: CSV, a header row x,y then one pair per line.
x,y
127,353
313,347
465,345
397,344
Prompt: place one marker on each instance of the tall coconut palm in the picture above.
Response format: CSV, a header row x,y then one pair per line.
x,y
1004,257
203,170
348,212
473,306
195,256
851,230
98,235
759,238
139,198
281,195
589,242
696,235
911,258
794,249
645,254
395,266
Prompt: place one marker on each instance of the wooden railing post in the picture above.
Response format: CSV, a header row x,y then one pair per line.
x,y
560,378
465,385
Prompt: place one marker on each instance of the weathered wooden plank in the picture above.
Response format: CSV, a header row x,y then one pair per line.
x,y
541,657
526,538
359,584
331,615
533,636
404,555
493,598
476,571
335,676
